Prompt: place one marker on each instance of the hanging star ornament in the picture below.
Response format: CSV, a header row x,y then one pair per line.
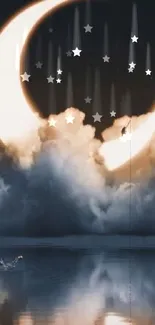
x,y
69,53
77,52
106,58
130,69
52,122
148,72
112,113
97,117
88,28
58,80
134,39
39,65
59,71
25,77
69,119
50,79
88,100
132,65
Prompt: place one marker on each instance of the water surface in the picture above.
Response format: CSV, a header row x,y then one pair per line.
x,y
78,287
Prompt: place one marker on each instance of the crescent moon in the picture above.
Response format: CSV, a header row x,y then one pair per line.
x,y
17,118
117,153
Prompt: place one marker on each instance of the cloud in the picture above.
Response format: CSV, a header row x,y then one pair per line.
x,y
67,189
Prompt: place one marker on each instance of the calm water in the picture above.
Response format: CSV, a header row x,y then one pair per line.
x,y
78,288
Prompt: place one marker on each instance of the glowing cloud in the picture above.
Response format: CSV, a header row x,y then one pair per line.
x,y
19,123
116,152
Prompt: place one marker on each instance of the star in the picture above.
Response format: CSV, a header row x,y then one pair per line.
x,y
76,51
134,39
50,30
39,65
50,79
130,69
148,72
88,100
52,122
132,65
69,119
88,28
69,53
112,113
59,71
58,80
25,76
97,117
106,58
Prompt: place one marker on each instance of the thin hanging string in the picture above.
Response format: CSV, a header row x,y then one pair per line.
x,y
130,269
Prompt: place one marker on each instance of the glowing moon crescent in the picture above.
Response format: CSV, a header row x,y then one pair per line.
x,y
17,118
117,153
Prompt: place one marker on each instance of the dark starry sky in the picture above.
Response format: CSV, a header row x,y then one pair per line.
x,y
118,15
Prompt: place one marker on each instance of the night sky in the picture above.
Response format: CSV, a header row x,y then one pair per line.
x,y
118,16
